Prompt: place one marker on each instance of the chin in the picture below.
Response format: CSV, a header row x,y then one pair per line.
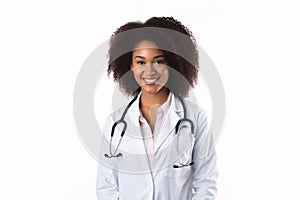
x,y
152,89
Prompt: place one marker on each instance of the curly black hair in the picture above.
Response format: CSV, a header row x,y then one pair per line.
x,y
173,38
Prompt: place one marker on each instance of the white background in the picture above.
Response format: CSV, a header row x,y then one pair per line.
x,y
254,44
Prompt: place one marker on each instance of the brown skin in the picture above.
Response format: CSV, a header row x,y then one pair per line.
x,y
151,72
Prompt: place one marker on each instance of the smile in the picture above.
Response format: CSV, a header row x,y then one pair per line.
x,y
150,81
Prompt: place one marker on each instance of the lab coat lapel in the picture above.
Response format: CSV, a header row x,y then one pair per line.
x,y
133,127
173,116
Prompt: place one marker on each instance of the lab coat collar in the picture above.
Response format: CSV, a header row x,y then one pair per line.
x,y
174,109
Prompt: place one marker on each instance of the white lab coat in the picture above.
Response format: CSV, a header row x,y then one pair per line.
x,y
132,177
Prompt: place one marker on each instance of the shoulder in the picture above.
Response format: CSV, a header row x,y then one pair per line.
x,y
127,111
113,117
116,114
192,109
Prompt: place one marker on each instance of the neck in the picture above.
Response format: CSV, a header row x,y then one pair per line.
x,y
149,100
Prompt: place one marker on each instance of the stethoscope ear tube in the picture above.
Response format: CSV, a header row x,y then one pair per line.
x,y
113,129
122,134
115,154
118,155
184,120
182,165
114,126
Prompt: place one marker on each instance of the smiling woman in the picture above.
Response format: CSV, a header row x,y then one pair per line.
x,y
174,40
150,67
158,153
151,72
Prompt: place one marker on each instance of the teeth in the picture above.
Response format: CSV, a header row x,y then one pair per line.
x,y
150,80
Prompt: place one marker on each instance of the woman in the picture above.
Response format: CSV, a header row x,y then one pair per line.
x,y
164,151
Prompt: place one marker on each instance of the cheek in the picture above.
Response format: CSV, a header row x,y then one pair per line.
x,y
165,74
136,76
164,77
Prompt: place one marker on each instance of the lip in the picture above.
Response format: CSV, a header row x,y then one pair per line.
x,y
150,80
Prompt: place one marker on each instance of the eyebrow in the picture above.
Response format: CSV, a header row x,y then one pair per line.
x,y
158,56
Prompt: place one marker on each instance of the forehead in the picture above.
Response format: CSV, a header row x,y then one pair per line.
x,y
146,44
147,47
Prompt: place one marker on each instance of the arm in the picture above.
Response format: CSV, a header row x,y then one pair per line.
x,y
204,155
107,185
107,177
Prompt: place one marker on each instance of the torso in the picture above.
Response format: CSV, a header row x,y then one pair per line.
x,y
150,115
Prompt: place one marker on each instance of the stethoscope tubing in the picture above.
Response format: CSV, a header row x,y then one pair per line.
x,y
122,121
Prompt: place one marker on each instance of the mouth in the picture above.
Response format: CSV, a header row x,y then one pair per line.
x,y
151,80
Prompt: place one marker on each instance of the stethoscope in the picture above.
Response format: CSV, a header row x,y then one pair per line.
x,y
122,121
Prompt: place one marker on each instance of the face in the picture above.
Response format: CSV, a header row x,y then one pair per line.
x,y
149,67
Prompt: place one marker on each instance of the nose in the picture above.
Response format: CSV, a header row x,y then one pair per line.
x,y
149,69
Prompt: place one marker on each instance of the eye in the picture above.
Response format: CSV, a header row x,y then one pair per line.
x,y
140,62
159,62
